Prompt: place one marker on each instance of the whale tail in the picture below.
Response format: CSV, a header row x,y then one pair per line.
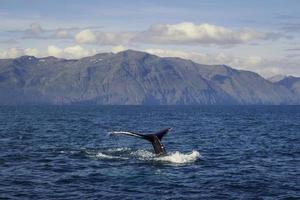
x,y
155,139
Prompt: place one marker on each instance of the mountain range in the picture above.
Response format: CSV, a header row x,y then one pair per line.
x,y
137,78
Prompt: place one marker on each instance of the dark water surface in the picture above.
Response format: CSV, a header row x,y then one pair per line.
x,y
229,152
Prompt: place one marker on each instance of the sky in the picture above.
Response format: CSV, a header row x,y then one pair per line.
x,y
260,36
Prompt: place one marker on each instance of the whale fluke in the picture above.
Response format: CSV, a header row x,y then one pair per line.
x,y
155,139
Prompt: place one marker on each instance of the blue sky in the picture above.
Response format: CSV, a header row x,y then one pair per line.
x,y
261,36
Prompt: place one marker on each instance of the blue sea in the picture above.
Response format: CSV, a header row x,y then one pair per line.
x,y
214,152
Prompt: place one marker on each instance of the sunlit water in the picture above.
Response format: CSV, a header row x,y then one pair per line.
x,y
214,152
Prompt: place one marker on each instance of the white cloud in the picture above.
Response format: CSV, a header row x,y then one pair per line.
x,y
11,53
185,33
86,37
54,51
190,33
76,52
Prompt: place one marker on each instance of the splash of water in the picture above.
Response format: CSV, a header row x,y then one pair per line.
x,y
172,158
180,158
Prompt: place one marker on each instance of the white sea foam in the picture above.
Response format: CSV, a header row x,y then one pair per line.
x,y
180,158
176,157
145,155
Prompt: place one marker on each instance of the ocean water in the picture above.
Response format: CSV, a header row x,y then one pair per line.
x,y
214,152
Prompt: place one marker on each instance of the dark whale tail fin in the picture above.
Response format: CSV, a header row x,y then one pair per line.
x,y
153,138
162,133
